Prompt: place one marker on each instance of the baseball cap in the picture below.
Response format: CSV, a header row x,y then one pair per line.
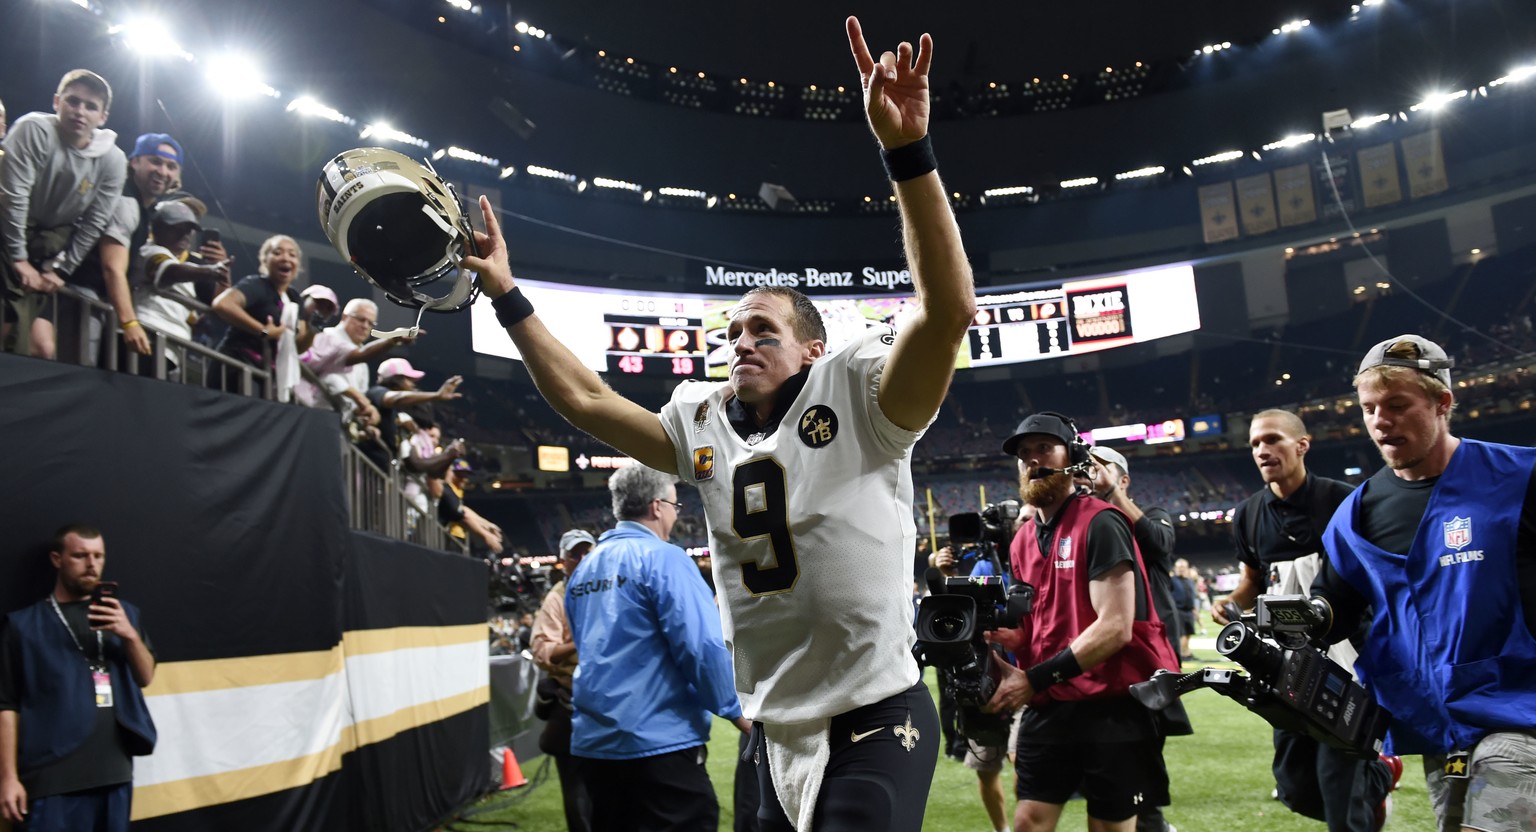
x,y
1107,455
398,367
176,213
572,539
149,145
462,466
319,292
1046,423
1419,354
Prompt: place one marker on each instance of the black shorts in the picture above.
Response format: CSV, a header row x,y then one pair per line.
x,y
878,782
1119,779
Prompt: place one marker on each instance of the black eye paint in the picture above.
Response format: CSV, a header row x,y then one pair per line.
x,y
766,342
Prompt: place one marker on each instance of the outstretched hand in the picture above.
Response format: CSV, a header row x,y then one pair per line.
x,y
491,265
895,88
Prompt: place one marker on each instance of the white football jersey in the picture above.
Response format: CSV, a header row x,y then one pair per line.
x,y
811,537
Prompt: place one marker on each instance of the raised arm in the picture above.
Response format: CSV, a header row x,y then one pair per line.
x,y
572,389
922,360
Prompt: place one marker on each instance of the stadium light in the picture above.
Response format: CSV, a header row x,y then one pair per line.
x,y
1140,173
1293,26
1014,190
236,75
615,184
550,173
507,172
471,156
1291,141
1224,156
1435,101
696,194
1080,183
307,106
389,134
1515,76
149,37
1365,122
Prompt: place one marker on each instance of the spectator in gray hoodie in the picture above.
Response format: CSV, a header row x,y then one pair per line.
x,y
62,176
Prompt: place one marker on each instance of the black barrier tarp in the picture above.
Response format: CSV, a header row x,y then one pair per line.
x,y
225,522
438,766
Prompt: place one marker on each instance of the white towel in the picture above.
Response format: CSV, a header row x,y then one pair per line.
x,y
286,371
797,759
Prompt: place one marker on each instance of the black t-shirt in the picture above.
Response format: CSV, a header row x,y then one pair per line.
x,y
103,759
1269,530
261,302
1117,719
1391,509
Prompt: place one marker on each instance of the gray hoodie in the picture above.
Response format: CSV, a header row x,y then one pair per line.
x,y
48,185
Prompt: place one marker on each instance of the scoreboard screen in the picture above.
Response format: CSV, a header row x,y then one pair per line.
x,y
683,336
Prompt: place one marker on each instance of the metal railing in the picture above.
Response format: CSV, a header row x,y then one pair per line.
x,y
376,501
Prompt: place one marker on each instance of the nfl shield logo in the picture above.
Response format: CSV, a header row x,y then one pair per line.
x,y
1458,532
1064,548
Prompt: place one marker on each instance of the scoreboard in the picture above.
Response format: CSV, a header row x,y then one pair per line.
x,y
683,336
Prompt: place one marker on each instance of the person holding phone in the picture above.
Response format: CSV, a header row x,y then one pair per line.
x,y
72,711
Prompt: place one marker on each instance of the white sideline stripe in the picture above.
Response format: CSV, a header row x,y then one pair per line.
x,y
212,732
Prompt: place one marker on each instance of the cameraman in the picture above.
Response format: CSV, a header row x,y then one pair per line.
x,y
1441,543
1092,634
1278,533
986,761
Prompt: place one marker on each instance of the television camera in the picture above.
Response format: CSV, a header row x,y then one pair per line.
x,y
1290,682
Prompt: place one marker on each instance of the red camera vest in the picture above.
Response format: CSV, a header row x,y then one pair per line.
x,y
1063,609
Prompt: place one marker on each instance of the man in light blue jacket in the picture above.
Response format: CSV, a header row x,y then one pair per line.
x,y
653,667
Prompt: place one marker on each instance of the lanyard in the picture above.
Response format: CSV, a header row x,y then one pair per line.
x,y
101,656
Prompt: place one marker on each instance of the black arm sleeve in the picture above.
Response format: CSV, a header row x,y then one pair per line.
x,y
1154,536
1109,545
1245,553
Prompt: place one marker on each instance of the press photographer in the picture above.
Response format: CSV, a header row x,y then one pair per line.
x,y
1091,635
1278,535
980,538
1450,649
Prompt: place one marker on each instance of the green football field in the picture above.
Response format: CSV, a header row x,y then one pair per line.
x,y
1220,781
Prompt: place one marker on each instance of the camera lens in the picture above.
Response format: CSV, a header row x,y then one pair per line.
x,y
948,625
1237,642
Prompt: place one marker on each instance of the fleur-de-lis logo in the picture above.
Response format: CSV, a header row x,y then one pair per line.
x,y
909,735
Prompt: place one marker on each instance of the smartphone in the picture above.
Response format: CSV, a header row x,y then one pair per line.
x,y
210,235
104,589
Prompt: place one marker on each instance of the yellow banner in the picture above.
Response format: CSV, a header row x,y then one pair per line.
x,y
1379,181
1425,160
1218,212
1256,199
1293,190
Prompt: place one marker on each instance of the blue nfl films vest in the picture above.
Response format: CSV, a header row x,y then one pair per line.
x,y
58,703
1448,651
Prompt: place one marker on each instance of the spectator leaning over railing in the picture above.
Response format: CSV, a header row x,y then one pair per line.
x,y
396,390
162,269
263,309
339,357
463,521
62,176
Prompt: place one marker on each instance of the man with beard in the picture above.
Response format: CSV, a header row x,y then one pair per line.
x,y
1278,533
72,714
1092,635
154,169
1438,550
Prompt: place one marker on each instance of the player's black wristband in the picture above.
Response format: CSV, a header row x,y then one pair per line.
x,y
512,308
910,160
1058,668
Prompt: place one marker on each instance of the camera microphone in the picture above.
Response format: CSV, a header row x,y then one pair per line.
x,y
1079,470
935,580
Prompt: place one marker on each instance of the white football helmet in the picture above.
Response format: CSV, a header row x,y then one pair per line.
x,y
400,226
